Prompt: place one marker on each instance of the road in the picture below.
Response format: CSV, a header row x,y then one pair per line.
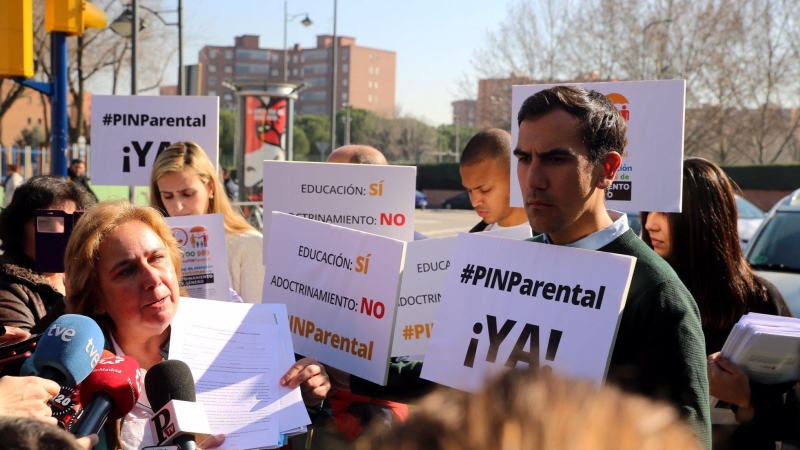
x,y
444,222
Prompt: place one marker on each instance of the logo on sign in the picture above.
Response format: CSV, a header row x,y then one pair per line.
x,y
621,103
198,236
619,190
164,426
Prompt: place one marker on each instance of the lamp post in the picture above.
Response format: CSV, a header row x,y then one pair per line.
x,y
286,19
644,42
347,121
333,80
123,26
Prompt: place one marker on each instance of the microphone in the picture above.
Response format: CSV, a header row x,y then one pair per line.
x,y
180,420
68,350
109,392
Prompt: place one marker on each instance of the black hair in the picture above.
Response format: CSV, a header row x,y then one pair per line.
x,y
602,127
40,192
27,434
493,144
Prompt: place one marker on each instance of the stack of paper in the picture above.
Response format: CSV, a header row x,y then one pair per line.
x,y
238,353
766,347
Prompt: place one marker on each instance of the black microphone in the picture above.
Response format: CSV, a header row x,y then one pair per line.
x,y
178,420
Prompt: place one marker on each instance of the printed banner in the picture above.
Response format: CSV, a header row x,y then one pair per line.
x,y
264,136
511,304
204,272
340,287
128,132
424,277
651,175
375,199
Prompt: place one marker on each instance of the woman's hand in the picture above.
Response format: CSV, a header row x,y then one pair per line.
x,y
213,441
727,382
312,379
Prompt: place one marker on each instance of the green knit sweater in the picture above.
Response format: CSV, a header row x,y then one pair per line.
x,y
659,351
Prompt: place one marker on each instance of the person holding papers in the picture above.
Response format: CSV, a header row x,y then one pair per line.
x,y
702,245
123,270
569,150
484,170
184,183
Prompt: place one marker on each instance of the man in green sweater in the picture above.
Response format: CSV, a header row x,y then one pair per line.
x,y
568,152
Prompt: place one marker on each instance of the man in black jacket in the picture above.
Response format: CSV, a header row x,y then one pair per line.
x,y
77,175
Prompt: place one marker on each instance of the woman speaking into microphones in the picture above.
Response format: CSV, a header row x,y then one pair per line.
x,y
123,270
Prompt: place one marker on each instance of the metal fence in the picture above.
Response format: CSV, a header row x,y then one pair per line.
x,y
36,161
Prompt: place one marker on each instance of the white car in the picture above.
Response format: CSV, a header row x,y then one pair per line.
x,y
774,250
750,218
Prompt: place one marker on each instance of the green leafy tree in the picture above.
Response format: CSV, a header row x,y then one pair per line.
x,y
31,137
301,146
227,131
317,129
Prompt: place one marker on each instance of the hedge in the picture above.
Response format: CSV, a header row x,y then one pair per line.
x,y
767,177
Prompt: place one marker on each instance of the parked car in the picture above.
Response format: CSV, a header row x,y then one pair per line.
x,y
774,250
750,218
421,200
460,201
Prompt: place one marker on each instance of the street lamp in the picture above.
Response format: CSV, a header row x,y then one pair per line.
x,y
347,121
286,19
123,26
644,41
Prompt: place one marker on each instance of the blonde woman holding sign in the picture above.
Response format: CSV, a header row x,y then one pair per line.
x,y
185,183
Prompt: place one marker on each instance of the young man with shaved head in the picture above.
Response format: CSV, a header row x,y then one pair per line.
x,y
485,166
568,152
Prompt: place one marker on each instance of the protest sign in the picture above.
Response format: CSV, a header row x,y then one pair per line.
x,y
204,272
424,277
512,303
650,177
375,199
340,288
128,132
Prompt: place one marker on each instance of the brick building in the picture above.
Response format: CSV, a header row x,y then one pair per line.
x,y
365,77
32,109
464,113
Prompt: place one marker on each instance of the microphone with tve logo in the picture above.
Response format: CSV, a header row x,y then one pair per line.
x,y
109,392
68,350
179,419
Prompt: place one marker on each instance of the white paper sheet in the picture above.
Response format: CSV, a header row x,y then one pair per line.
x,y
245,348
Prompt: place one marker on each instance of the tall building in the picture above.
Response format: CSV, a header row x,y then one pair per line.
x,y
464,113
365,76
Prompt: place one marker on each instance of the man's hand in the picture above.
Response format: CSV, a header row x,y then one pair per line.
x,y
312,379
727,382
340,380
14,333
28,397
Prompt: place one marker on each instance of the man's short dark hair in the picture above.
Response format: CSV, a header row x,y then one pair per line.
x,y
602,127
76,161
39,192
493,143
27,434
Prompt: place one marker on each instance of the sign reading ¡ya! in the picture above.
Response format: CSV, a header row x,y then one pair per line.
x,y
204,271
424,277
340,288
128,132
650,177
513,304
371,198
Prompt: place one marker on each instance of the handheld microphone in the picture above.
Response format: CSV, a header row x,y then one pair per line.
x,y
179,420
68,350
109,392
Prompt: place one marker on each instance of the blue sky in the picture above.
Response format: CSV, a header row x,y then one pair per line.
x,y
434,39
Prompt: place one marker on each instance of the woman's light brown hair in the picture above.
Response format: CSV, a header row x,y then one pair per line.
x,y
518,411
189,156
83,251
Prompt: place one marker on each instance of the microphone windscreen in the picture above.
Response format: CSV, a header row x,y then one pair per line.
x,y
72,345
169,380
117,376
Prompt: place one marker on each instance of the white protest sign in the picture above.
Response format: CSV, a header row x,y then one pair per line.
x,y
340,288
371,198
128,132
424,277
651,175
512,304
204,272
